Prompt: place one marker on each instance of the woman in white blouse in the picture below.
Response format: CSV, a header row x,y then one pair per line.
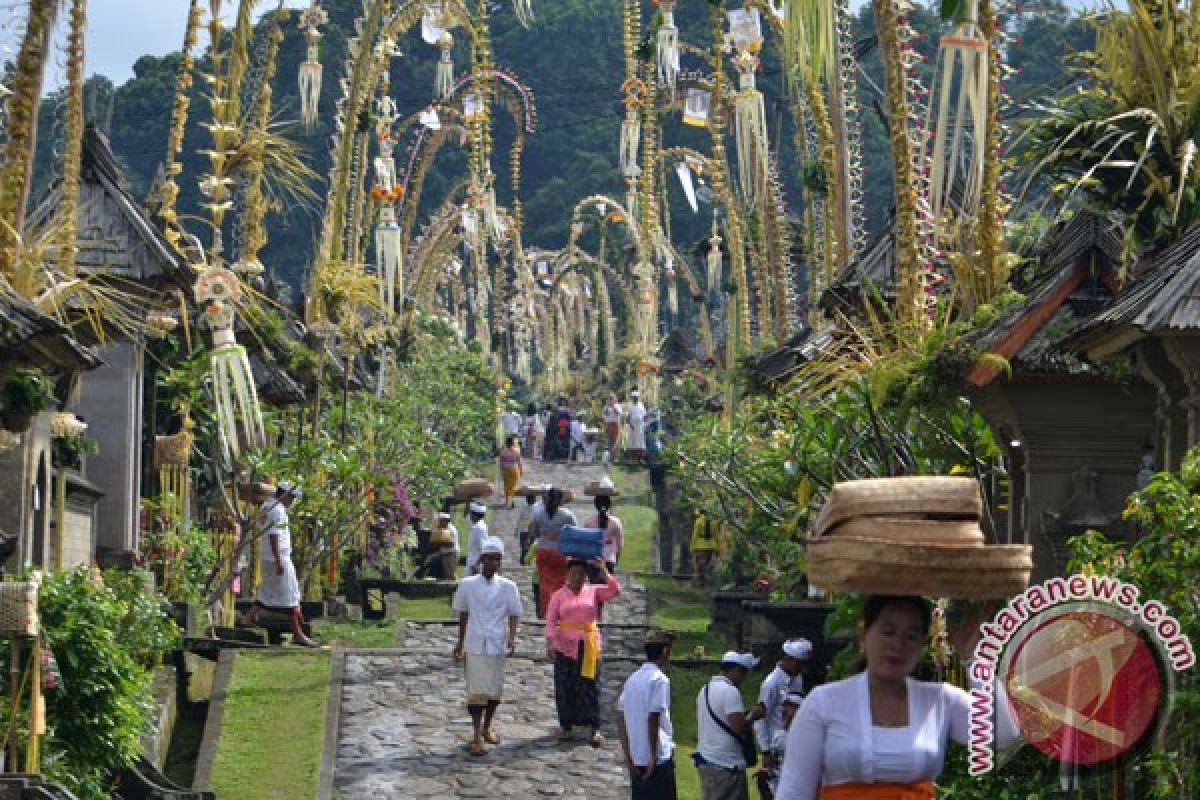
x,y
880,735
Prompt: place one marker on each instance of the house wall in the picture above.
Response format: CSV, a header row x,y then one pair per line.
x,y
110,401
25,494
77,544
1064,424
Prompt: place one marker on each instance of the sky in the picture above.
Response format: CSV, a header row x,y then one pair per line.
x,y
120,31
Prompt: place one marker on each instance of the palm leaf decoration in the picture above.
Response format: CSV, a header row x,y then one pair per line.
x,y
1124,139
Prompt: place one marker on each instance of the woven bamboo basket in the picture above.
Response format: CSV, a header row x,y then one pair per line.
x,y
172,451
594,489
256,492
18,608
911,530
929,496
473,489
528,491
878,566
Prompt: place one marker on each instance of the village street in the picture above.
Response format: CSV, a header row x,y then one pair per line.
x,y
404,729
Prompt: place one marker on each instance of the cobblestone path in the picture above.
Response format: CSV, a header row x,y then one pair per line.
x,y
404,729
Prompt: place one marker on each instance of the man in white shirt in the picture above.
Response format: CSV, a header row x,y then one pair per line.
x,y
478,532
510,421
489,608
723,725
783,679
644,724
768,777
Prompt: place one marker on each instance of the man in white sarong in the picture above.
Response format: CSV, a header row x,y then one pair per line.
x,y
279,590
476,536
489,608
635,419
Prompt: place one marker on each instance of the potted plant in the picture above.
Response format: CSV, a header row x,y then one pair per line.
x,y
23,395
69,441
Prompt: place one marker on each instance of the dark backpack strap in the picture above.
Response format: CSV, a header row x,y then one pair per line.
x,y
720,722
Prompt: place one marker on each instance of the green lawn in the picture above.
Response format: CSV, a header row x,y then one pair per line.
x,y
639,523
380,633
633,484
269,694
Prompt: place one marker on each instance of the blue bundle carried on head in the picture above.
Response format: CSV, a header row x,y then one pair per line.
x,y
585,543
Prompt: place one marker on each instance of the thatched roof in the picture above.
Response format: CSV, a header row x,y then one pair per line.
x,y
30,338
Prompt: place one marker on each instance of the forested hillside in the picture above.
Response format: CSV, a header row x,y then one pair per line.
x,y
572,60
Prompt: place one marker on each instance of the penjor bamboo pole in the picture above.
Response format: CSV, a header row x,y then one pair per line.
x,y
16,172
73,138
910,292
60,516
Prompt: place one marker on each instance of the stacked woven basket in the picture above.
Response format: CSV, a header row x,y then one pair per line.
x,y
912,535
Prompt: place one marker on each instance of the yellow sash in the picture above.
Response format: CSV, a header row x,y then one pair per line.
x,y
923,790
591,646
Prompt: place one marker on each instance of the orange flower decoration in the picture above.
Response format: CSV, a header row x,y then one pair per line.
x,y
378,193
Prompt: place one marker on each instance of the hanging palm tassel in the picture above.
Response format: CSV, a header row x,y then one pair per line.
x,y
310,69
524,12
443,85
668,46
389,258
672,290
714,259
750,130
964,66
238,414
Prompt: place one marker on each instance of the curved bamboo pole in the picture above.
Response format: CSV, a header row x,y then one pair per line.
x,y
179,117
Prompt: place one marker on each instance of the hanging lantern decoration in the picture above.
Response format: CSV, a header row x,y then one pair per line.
x,y
696,106
634,90
432,19
238,413
750,130
385,164
668,46
443,85
472,106
311,19
964,59
714,258
389,257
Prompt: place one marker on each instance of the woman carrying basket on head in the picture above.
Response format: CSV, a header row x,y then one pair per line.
x,y
573,640
881,733
545,529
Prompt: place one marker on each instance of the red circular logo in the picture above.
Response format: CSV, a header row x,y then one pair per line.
x,y
1084,687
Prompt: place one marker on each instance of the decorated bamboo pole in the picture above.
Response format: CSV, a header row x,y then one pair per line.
x,y
991,203
255,202
68,208
909,265
179,116
16,167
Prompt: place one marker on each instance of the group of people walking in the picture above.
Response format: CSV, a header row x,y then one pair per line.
x,y
878,735
560,433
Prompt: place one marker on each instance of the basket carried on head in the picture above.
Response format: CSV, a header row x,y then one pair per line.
x,y
599,489
472,489
912,535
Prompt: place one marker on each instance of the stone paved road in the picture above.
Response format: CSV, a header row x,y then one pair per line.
x,y
403,730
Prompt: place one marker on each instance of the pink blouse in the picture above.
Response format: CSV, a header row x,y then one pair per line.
x,y
569,606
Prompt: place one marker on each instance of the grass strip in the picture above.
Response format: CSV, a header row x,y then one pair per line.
x,y
273,728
